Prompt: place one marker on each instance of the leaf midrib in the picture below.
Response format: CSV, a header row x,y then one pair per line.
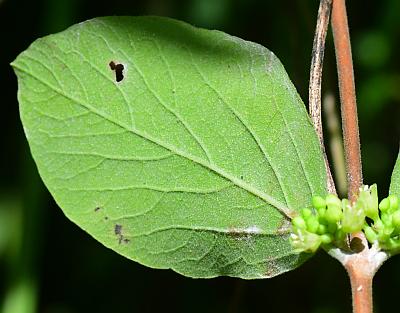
x,y
286,212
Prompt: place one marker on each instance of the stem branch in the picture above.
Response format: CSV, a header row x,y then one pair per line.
x,y
314,95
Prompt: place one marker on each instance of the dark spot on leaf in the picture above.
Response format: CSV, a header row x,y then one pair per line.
x,y
97,209
117,229
241,176
106,218
118,232
119,70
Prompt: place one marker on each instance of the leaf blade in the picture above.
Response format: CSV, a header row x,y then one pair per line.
x,y
395,180
231,175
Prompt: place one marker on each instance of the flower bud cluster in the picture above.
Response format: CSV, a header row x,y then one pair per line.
x,y
385,227
330,220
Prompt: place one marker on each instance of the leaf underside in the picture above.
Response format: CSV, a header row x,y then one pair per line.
x,y
395,181
177,147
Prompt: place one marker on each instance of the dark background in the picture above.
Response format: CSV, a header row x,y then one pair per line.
x,y
47,264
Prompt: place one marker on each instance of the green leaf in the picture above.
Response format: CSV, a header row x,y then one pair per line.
x,y
395,182
195,160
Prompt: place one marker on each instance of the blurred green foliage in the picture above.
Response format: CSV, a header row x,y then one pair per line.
x,y
49,265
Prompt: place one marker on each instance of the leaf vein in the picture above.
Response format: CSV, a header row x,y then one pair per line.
x,y
288,213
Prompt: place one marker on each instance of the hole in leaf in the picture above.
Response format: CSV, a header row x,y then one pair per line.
x,y
118,68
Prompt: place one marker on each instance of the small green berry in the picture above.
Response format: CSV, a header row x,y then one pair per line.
x,y
384,205
299,222
318,202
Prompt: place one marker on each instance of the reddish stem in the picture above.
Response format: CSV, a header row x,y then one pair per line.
x,y
347,97
361,265
361,285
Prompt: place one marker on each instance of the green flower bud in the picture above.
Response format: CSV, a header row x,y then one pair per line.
x,y
386,219
333,214
322,229
312,242
387,231
318,202
368,199
384,205
332,199
331,220
321,212
393,244
332,228
370,234
394,203
305,241
340,235
312,224
326,239
384,234
299,222
353,217
378,225
396,219
306,213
